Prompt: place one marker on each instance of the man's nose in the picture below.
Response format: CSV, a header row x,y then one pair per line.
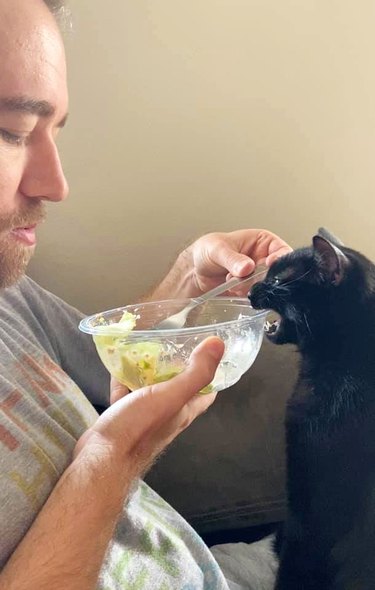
x,y
43,175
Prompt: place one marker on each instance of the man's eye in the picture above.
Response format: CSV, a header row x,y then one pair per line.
x,y
11,138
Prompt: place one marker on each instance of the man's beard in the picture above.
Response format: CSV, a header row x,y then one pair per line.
x,y
14,254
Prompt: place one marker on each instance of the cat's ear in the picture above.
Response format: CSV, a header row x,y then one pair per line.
x,y
333,262
325,233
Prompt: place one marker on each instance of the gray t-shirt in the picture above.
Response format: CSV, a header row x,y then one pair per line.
x,y
50,376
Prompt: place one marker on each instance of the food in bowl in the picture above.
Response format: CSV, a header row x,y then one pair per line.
x,y
138,355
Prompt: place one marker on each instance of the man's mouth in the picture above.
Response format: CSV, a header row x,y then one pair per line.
x,y
25,234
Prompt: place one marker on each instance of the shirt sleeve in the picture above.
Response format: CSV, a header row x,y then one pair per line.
x,y
73,350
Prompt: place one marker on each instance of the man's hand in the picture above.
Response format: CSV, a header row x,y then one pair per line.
x,y
215,257
140,424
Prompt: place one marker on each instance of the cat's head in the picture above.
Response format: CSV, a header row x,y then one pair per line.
x,y
316,291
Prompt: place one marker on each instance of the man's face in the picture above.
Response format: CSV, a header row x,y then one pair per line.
x,y
33,107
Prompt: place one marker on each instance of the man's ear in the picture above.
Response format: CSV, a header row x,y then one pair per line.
x,y
333,262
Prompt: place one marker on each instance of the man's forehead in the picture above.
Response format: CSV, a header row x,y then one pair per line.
x,y
32,60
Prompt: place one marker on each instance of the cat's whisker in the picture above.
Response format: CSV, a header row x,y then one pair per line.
x,y
307,324
297,278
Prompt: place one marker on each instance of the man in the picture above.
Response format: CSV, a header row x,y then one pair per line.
x,y
67,473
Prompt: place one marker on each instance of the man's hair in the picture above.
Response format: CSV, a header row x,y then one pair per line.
x,y
61,12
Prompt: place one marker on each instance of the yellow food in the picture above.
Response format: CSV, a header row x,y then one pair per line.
x,y
134,364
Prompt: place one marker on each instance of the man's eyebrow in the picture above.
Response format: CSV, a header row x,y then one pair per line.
x,y
63,121
22,104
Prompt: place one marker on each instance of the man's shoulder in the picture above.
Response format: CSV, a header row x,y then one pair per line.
x,y
23,287
29,304
26,285
29,294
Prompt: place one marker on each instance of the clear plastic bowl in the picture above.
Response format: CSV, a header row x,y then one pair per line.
x,y
146,356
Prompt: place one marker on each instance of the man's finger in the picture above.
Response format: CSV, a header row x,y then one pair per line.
x,y
199,373
224,255
117,390
275,255
237,264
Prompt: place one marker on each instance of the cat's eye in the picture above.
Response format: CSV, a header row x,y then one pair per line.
x,y
276,281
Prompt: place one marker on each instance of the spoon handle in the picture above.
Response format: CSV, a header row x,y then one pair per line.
x,y
233,282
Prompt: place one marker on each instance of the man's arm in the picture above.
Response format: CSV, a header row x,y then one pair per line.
x,y
65,547
179,281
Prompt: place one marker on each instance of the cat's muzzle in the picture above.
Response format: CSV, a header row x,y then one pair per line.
x,y
259,296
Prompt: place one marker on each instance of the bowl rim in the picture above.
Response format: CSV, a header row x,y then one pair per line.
x,y
84,325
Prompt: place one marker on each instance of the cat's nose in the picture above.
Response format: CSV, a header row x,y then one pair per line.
x,y
258,296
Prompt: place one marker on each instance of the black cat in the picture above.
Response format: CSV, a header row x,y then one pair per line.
x,y
325,296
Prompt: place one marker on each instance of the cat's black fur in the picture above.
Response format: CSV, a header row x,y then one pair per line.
x,y
325,296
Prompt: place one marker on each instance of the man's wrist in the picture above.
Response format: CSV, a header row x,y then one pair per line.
x,y
112,475
180,282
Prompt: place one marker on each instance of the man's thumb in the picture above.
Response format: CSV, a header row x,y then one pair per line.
x,y
200,370
237,264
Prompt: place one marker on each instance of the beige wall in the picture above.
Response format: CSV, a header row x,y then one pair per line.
x,y
190,116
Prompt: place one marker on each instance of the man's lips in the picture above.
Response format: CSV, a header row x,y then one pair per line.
x,y
25,234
